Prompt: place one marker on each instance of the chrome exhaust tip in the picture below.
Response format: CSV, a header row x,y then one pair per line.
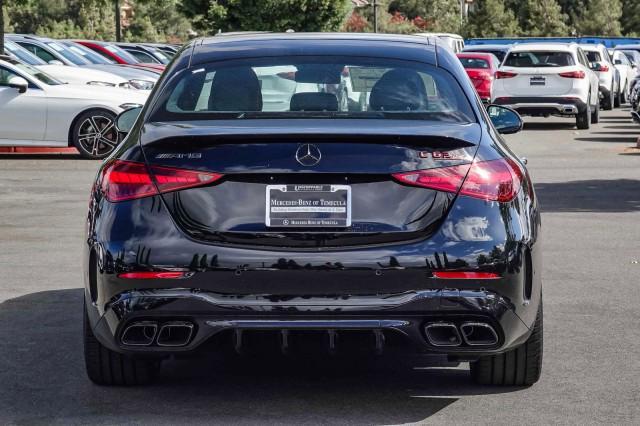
x,y
442,334
478,334
175,333
141,333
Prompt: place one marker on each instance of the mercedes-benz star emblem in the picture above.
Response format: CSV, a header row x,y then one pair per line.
x,y
308,155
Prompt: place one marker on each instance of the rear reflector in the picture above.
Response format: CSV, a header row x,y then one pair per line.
x,y
460,275
573,74
495,180
148,275
128,180
505,74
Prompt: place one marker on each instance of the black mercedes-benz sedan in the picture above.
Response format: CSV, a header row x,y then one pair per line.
x,y
314,193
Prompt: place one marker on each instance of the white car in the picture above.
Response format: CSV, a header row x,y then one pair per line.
x,y
38,110
627,73
542,79
601,63
455,42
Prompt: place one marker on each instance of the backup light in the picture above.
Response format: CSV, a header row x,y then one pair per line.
x,y
128,180
495,180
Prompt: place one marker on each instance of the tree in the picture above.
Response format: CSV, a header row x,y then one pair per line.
x,y
212,16
544,18
438,15
490,18
630,20
602,17
158,21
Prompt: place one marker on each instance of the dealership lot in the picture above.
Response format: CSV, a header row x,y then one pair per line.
x,y
589,186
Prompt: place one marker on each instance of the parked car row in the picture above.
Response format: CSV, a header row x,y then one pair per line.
x,y
62,93
552,78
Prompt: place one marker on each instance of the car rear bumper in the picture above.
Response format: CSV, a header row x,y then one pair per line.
x,y
543,105
401,318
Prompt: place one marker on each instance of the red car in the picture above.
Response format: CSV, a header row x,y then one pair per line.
x,y
119,55
481,69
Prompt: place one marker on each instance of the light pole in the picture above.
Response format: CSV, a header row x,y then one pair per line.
x,y
375,16
117,19
1,27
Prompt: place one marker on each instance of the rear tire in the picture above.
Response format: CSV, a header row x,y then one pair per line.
x,y
94,134
583,119
607,103
106,367
519,367
595,113
617,100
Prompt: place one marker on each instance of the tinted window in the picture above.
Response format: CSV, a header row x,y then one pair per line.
x,y
39,52
593,56
539,59
474,63
318,87
68,54
142,56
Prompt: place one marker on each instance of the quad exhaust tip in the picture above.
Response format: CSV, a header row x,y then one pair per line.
x,y
446,334
442,334
478,334
141,333
175,333
168,334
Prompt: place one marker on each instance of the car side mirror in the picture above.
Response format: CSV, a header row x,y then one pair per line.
x,y
55,62
127,118
18,83
504,119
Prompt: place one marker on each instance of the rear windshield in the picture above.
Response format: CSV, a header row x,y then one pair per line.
x,y
314,87
474,63
539,59
500,54
593,56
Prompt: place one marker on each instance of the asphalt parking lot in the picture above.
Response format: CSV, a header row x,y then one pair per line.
x,y
588,183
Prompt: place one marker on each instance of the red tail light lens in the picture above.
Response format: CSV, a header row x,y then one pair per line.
x,y
496,180
505,74
462,275
128,180
149,275
573,74
603,68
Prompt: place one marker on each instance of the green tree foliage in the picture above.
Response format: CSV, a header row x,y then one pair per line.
x,y
158,21
602,17
630,19
211,16
490,18
438,15
543,18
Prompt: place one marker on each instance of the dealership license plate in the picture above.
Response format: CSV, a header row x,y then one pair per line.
x,y
537,81
308,206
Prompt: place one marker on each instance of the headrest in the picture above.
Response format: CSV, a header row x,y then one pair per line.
x,y
312,101
235,89
399,90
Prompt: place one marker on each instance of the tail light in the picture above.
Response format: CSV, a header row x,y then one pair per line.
x,y
464,275
573,74
495,180
603,68
128,180
505,74
148,275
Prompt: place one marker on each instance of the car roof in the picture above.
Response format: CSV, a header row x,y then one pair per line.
x,y
560,47
483,55
421,49
478,47
592,47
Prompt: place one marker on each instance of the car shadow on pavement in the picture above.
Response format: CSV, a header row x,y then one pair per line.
x,y
550,126
614,139
43,381
622,195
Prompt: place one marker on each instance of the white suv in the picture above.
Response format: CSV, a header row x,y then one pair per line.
x,y
601,63
545,79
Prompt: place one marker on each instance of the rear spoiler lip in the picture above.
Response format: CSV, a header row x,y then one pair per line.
x,y
404,132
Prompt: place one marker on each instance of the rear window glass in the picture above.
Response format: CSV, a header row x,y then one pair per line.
x,y
474,63
593,56
314,87
539,59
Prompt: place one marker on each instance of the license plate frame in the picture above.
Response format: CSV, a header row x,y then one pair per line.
x,y
538,81
323,206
